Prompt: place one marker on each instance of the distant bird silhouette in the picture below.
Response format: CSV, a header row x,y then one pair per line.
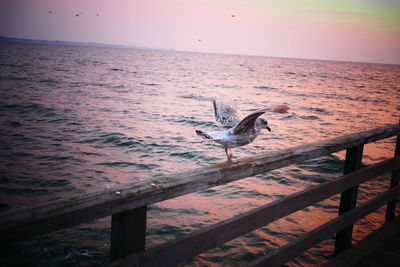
x,y
238,133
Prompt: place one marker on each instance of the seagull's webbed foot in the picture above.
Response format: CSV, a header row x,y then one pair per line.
x,y
229,156
232,161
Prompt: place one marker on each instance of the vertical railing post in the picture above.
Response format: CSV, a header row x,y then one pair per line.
x,y
394,181
348,198
128,232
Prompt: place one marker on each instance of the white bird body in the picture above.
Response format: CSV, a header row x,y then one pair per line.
x,y
238,133
227,138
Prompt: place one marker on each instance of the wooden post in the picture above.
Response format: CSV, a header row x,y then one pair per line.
x,y
348,198
128,232
391,206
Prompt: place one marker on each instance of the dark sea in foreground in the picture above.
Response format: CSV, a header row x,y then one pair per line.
x,y
77,119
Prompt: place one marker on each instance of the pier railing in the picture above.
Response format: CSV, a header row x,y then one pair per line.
x,y
128,205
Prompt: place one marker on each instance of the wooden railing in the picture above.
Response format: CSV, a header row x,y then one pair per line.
x,y
128,205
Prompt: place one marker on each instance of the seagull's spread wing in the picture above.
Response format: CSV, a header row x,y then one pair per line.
x,y
248,123
225,115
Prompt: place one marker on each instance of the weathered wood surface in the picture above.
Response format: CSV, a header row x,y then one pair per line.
x,y
128,232
348,198
23,223
394,181
219,233
285,253
371,248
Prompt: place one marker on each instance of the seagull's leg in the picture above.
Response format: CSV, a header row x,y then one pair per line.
x,y
226,152
229,155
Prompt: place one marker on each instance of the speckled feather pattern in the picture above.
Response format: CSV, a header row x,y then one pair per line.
x,y
225,115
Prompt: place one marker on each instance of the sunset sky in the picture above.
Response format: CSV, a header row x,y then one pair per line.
x,y
349,30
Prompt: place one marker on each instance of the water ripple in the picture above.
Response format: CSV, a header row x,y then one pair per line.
x,y
79,119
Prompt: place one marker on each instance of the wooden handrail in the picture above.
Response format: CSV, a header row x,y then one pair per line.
x,y
214,235
22,223
323,232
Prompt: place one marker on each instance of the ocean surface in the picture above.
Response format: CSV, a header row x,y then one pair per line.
x,y
77,119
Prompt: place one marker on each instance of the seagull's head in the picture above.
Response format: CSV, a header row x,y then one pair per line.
x,y
263,124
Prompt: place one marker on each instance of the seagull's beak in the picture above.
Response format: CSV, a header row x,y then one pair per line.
x,y
269,129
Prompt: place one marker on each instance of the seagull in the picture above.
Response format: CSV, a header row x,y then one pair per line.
x,y
237,133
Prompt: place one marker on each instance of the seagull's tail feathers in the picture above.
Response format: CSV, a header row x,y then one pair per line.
x,y
203,134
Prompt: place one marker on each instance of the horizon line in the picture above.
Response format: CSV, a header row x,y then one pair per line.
x,y
97,44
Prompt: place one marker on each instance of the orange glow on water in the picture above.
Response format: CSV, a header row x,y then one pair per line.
x,y
113,116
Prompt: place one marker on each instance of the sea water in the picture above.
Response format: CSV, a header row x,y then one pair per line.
x,y
78,119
